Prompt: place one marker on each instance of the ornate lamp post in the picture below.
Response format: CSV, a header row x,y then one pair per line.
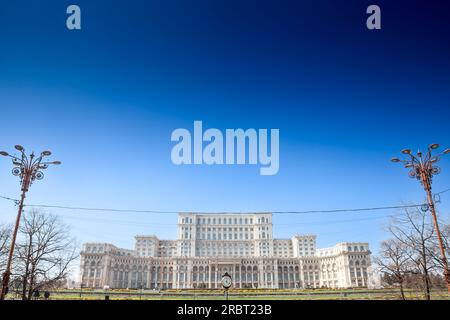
x,y
423,168
28,169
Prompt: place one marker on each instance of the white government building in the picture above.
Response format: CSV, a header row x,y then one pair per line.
x,y
208,245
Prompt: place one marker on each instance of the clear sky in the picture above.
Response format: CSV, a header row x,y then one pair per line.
x,y
106,99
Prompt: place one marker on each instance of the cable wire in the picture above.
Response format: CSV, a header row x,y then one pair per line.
x,y
199,212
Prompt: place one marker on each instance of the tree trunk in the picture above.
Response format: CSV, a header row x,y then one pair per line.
x,y
426,282
24,286
27,268
30,290
31,285
402,291
426,278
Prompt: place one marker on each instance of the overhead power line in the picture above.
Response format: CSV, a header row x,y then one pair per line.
x,y
443,191
274,212
351,209
6,198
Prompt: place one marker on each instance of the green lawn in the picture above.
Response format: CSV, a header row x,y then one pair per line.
x,y
318,294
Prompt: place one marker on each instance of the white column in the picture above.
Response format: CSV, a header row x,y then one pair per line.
x,y
106,272
215,276
261,274
240,276
348,275
362,277
314,278
189,274
275,282
175,276
233,272
149,275
294,274
302,278
289,277
209,276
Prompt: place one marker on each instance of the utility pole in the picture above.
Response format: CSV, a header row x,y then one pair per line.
x,y
28,169
423,168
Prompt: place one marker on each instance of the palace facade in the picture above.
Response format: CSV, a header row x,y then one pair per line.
x,y
208,245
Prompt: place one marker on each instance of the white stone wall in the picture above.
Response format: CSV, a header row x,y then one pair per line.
x,y
240,244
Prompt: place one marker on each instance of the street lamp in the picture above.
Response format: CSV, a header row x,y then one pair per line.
x,y
423,168
28,168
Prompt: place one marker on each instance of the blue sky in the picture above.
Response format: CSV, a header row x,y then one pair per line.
x,y
106,99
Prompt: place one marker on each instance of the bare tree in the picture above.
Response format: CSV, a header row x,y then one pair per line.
x,y
394,263
415,231
44,252
5,237
436,253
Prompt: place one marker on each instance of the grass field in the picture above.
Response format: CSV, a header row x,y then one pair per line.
x,y
318,294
